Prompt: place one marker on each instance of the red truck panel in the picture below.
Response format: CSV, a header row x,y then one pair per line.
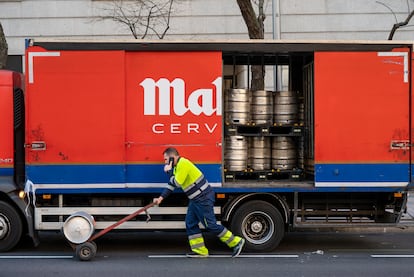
x,y
174,99
106,116
6,122
75,104
361,117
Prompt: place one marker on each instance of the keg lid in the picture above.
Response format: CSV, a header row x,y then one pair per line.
x,y
79,227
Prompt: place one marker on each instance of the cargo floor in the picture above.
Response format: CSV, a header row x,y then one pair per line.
x,y
269,184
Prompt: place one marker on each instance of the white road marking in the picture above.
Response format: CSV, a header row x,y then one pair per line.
x,y
35,257
226,256
392,256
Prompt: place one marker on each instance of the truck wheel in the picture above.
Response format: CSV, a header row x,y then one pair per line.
x,y
11,227
86,251
260,223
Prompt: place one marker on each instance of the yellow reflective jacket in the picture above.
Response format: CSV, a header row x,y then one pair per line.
x,y
187,176
186,173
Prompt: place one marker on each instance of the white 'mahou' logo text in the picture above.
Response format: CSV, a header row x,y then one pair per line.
x,y
199,101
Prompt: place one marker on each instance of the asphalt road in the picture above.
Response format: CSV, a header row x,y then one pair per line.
x,y
161,254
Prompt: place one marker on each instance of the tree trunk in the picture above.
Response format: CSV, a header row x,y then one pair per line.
x,y
3,49
255,28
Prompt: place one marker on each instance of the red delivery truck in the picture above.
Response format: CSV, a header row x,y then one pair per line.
x,y
85,127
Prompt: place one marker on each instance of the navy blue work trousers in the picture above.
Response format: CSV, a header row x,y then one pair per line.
x,y
202,210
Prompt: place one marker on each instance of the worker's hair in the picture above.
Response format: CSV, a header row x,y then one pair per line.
x,y
171,151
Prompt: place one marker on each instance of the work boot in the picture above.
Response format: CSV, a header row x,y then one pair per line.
x,y
238,249
196,255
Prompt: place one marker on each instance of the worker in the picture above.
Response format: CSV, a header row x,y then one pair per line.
x,y
184,174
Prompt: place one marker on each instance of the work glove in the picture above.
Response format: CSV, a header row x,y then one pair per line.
x,y
157,201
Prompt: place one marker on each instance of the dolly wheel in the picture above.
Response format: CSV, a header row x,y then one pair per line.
x,y
86,251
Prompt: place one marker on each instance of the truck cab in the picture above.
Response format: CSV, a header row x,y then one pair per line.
x,y
15,213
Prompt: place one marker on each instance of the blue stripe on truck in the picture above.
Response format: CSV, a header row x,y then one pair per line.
x,y
153,173
147,173
362,172
131,173
6,171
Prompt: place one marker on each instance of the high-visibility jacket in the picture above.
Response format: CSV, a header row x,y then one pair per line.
x,y
189,178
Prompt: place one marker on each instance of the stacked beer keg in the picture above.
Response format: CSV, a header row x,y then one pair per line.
x,y
237,106
260,108
237,112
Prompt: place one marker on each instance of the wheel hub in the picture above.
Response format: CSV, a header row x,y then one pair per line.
x,y
4,226
86,251
257,227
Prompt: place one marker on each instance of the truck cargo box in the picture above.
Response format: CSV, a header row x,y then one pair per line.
x,y
101,118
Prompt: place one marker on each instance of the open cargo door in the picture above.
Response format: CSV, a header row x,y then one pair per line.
x,y
173,100
362,119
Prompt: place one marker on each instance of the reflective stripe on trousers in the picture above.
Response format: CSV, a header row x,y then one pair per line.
x,y
228,238
197,244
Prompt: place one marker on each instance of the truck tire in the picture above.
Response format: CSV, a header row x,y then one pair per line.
x,y
260,223
11,227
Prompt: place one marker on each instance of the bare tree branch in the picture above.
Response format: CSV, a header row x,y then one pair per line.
x,y
148,22
408,6
398,25
168,20
141,17
385,5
